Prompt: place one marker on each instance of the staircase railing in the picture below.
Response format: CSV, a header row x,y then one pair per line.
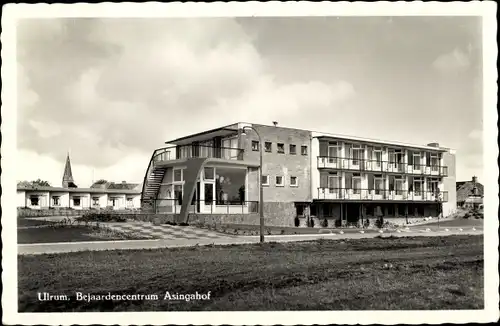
x,y
155,154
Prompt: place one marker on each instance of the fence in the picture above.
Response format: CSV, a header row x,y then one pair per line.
x,y
202,206
381,194
342,163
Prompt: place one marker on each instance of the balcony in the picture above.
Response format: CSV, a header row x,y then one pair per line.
x,y
197,151
381,194
364,165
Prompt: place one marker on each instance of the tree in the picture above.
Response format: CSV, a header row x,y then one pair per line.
x,y
35,183
41,183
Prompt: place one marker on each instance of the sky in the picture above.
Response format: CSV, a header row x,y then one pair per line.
x,y
110,91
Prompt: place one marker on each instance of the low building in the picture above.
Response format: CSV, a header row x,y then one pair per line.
x,y
470,194
110,195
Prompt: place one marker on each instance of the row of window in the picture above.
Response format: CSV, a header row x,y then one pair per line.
x,y
280,148
279,181
35,201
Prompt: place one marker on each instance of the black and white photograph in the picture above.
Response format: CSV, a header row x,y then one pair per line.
x,y
249,163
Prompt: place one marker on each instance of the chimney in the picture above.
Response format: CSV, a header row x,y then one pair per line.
x,y
474,179
433,144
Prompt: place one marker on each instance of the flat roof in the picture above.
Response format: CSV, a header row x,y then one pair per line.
x,y
316,134
221,131
81,190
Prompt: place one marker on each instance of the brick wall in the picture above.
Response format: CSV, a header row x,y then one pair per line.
x,y
285,165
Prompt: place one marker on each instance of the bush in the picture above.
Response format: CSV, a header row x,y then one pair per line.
x,y
101,217
324,223
379,222
183,224
311,223
466,215
297,221
338,223
367,223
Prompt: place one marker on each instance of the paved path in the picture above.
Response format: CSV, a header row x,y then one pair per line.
x,y
47,248
166,232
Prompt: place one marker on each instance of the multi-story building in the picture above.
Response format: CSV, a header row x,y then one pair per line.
x,y
304,173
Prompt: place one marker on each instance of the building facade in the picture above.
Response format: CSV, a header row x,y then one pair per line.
x,y
470,194
304,173
77,198
107,195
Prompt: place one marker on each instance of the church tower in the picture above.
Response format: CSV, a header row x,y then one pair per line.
x,y
67,181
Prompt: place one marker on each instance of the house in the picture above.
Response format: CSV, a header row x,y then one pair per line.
x,y
470,193
304,173
109,195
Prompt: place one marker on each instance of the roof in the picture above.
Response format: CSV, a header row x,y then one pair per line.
x,y
465,189
123,186
221,131
79,190
233,127
68,175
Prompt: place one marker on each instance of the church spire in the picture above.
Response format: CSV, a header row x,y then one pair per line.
x,y
67,180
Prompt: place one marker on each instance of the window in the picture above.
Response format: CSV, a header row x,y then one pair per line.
x,y
293,181
303,150
130,203
434,162
356,184
279,181
76,201
281,148
56,201
34,201
265,180
177,175
209,173
255,145
95,201
293,149
268,146
114,201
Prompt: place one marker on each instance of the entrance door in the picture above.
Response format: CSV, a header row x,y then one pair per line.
x,y
209,197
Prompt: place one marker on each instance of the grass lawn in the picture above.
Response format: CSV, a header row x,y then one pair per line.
x,y
424,273
39,231
26,222
458,222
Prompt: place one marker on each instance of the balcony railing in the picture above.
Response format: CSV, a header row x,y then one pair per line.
x,y
381,194
368,165
197,151
206,206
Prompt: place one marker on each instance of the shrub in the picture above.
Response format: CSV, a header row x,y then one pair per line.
x,y
183,224
379,222
324,223
282,231
367,223
466,215
297,221
101,217
338,223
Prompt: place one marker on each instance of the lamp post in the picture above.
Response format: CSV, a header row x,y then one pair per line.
x,y
261,187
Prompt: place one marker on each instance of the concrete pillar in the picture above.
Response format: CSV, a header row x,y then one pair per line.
x,y
396,210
